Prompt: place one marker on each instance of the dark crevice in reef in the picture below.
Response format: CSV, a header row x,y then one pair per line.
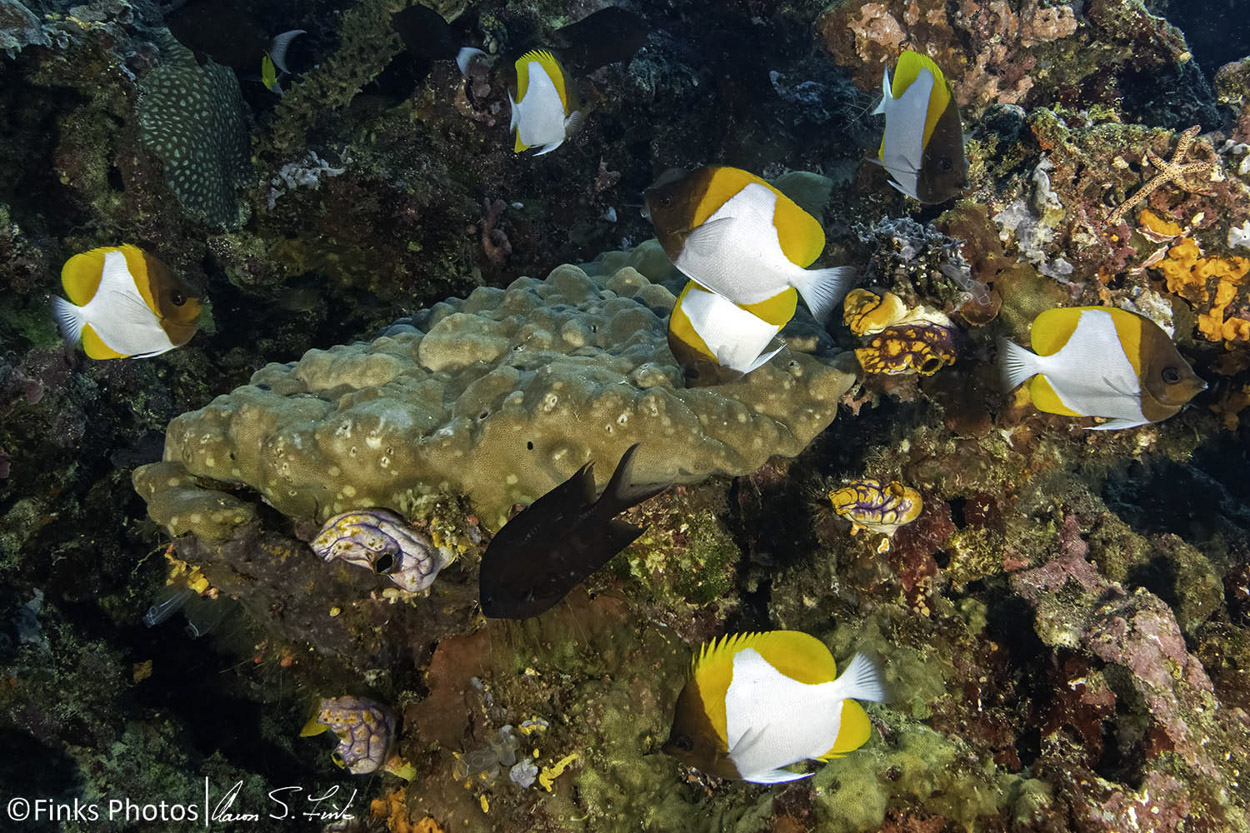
x,y
1216,32
1201,501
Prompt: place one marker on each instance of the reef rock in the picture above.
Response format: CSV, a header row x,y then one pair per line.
x,y
500,397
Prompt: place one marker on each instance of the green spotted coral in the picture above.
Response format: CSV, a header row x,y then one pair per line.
x,y
192,118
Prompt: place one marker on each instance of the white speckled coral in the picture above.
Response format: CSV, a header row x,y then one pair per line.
x,y
500,396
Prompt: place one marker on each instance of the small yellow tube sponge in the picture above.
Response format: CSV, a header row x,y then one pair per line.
x,y
500,396
865,312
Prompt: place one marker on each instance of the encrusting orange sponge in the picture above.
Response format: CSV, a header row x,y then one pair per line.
x,y
1188,273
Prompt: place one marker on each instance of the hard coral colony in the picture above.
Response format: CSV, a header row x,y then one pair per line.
x,y
527,525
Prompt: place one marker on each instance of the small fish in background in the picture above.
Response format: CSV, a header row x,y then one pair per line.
x,y
716,341
922,145
758,702
1100,362
607,36
125,303
548,108
738,236
427,36
231,34
559,540
545,110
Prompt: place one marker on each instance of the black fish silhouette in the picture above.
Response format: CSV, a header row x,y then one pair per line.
x,y
559,540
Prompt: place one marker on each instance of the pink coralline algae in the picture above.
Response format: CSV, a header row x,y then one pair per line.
x,y
1078,608
987,50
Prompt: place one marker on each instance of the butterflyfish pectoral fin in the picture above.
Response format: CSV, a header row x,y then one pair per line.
x,y
776,776
709,238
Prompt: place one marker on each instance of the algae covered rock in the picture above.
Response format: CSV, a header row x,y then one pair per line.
x,y
500,396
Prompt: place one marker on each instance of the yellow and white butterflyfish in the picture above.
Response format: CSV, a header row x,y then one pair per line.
x,y
716,341
1100,362
544,112
738,236
756,703
922,145
124,302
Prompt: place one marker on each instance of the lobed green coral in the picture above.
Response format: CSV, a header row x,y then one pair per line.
x,y
500,397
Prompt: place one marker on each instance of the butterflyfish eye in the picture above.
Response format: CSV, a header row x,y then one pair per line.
x,y
178,298
683,743
945,163
384,564
665,201
1171,375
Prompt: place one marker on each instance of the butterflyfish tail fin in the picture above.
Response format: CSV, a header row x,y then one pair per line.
x,y
279,45
465,58
69,320
885,93
1016,365
822,289
861,680
619,495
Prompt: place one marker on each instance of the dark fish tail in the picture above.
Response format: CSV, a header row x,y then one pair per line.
x,y
619,495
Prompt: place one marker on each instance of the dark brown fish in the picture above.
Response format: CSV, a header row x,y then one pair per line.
x,y
601,38
558,541
223,30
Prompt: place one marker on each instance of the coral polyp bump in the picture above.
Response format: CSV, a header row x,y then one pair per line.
x,y
382,542
868,504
